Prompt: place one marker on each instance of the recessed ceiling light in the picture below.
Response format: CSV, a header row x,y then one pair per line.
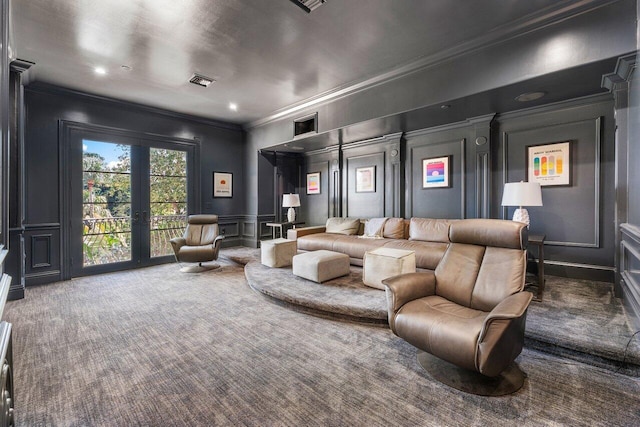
x,y
100,70
530,96
233,106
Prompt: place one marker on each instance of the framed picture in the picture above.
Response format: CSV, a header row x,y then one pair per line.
x,y
313,183
366,180
436,172
222,184
549,164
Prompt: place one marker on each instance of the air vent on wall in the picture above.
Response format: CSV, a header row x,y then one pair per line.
x,y
309,5
200,80
306,124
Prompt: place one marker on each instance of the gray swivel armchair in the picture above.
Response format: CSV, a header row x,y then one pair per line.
x,y
200,243
470,312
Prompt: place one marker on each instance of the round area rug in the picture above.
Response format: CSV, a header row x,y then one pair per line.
x,y
345,297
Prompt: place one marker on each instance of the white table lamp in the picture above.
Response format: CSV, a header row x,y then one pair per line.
x,y
522,194
291,201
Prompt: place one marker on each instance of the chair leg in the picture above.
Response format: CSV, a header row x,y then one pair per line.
x,y
508,382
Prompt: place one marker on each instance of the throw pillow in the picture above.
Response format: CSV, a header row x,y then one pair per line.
x,y
348,226
373,227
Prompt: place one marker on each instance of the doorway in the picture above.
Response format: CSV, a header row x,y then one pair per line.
x,y
128,197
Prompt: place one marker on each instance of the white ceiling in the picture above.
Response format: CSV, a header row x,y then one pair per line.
x,y
265,55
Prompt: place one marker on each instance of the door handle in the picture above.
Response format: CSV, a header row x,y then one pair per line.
x,y
145,217
136,217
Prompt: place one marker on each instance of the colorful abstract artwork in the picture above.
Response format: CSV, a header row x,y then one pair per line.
x,y
549,164
435,172
313,183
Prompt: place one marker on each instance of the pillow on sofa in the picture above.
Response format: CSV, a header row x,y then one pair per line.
x,y
429,230
346,226
373,228
394,228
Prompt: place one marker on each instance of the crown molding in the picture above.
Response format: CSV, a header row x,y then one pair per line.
x,y
46,88
624,68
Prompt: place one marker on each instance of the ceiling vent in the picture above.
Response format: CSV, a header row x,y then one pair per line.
x,y
199,80
309,5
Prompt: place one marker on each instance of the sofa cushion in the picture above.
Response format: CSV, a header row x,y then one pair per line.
x,y
429,230
374,227
355,247
315,242
451,331
348,226
428,254
394,228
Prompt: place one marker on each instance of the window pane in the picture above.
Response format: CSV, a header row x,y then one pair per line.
x,y
168,196
106,203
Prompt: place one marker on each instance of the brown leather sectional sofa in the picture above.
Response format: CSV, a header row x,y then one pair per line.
x,y
428,238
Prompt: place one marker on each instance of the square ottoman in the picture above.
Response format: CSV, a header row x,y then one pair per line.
x,y
321,265
277,252
383,263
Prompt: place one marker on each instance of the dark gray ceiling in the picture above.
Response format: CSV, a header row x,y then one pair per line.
x,y
266,55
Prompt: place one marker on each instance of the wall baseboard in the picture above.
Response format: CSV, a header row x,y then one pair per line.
x,y
43,278
15,294
580,271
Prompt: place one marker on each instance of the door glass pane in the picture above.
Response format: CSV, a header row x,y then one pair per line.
x,y
168,197
106,202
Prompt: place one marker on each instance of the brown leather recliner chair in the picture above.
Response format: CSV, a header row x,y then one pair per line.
x,y
471,310
200,243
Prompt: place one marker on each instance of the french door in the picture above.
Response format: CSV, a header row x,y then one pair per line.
x,y
129,197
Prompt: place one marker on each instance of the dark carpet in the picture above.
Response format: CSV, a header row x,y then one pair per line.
x,y
157,347
579,319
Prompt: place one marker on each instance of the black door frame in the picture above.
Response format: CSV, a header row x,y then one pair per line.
x,y
70,133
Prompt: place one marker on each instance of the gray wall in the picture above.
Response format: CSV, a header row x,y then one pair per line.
x,y
578,220
409,103
485,153
221,149
583,39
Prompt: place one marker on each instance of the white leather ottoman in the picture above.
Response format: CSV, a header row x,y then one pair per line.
x,y
383,263
277,252
321,265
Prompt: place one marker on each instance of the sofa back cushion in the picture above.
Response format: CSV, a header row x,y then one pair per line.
x,y
457,272
394,228
200,234
429,230
348,226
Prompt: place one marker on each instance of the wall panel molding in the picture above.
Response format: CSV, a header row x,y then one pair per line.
x,y
593,239
436,147
42,253
384,153
41,250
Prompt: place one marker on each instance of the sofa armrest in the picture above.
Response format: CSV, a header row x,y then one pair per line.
x,y
407,287
511,307
294,233
216,245
177,243
502,336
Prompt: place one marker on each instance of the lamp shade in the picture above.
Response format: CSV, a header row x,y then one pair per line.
x,y
522,194
290,200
